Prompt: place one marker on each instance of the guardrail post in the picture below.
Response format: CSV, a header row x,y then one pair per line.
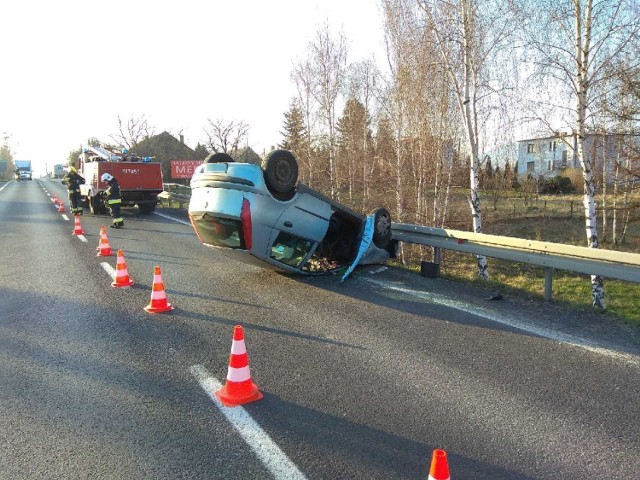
x,y
548,283
437,254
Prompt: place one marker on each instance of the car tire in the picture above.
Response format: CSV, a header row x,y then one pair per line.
x,y
281,173
381,227
96,205
146,209
218,158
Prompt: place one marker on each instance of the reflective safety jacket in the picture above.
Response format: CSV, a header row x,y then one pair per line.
x,y
73,180
113,193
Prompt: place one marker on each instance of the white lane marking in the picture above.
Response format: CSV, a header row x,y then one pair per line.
x,y
65,217
168,217
82,238
499,318
109,269
5,185
274,459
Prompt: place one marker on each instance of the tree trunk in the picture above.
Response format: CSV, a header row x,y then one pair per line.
x,y
616,179
583,43
604,186
471,129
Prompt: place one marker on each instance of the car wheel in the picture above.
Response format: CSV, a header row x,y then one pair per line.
x,y
218,158
146,209
381,227
281,173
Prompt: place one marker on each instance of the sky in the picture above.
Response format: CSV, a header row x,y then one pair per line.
x,y
70,68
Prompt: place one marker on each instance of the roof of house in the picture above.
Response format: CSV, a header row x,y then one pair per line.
x,y
164,145
548,137
246,155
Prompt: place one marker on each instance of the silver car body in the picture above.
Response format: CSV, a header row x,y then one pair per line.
x,y
231,208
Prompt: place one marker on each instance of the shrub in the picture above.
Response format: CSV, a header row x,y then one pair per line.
x,y
555,185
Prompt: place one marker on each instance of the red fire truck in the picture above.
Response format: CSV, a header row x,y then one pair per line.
x,y
140,179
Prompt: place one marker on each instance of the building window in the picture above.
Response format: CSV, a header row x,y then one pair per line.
x,y
549,166
564,158
530,148
531,166
552,146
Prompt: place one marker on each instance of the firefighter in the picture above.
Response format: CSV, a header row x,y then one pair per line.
x,y
73,180
113,200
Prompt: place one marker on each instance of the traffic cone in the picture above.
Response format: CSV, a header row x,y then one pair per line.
x,y
122,276
55,199
104,249
158,302
439,466
77,228
239,388
61,208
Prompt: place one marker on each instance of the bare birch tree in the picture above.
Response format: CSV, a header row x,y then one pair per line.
x,y
575,43
225,136
417,102
328,67
364,81
132,132
469,34
302,76
396,100
622,107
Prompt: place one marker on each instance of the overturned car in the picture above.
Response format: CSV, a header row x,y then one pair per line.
x,y
264,215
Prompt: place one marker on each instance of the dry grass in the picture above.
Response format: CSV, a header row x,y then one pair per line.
x,y
557,219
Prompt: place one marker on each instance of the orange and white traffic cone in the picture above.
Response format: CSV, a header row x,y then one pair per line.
x,y
122,276
239,388
158,303
61,208
439,466
103,248
77,228
55,199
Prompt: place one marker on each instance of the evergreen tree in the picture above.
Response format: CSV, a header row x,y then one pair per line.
x,y
200,152
294,134
383,172
296,138
352,134
488,168
507,170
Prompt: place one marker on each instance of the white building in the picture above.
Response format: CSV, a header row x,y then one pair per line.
x,y
547,156
552,155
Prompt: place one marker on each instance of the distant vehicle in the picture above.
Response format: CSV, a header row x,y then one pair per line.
x,y
139,178
23,169
58,171
264,216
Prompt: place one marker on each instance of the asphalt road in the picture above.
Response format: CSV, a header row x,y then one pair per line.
x,y
361,379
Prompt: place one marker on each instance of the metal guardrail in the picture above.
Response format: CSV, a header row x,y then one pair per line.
x,y
550,256
590,261
175,191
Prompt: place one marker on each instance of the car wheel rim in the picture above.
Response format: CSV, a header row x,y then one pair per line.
x,y
283,172
383,225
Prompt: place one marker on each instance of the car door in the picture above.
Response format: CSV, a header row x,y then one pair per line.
x,y
301,226
306,217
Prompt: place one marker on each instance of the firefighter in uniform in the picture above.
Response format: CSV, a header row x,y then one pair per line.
x,y
73,180
113,200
